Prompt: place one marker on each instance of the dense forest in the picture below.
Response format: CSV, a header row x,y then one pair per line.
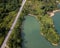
x,y
8,11
15,39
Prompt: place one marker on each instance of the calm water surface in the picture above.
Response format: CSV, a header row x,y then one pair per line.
x,y
56,20
31,35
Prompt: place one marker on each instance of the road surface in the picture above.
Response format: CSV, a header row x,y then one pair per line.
x,y
14,23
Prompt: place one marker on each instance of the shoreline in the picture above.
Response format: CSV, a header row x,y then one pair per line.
x,y
34,16
48,40
52,13
54,44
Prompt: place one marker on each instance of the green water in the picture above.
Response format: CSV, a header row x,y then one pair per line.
x,y
56,20
58,6
31,35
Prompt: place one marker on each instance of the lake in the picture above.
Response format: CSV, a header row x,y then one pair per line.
x,y
31,34
56,20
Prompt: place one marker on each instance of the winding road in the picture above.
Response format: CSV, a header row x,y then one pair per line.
x,y
13,25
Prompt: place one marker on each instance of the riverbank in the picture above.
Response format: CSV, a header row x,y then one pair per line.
x,y
55,44
51,14
34,16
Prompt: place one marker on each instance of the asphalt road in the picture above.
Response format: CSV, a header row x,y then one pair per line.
x,y
14,23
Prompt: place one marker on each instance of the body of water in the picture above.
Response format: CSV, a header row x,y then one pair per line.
x,y
31,34
56,20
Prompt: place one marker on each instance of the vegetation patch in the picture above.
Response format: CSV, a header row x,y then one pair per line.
x,y
15,39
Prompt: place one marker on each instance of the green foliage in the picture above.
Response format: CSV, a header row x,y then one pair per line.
x,y
8,11
48,30
15,37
